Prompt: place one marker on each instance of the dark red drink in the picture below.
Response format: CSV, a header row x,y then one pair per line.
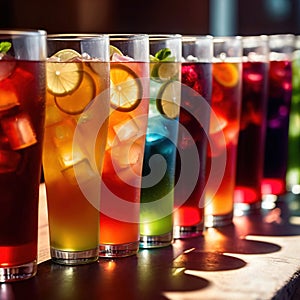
x,y
252,132
22,106
194,121
278,109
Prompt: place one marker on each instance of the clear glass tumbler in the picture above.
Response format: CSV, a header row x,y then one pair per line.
x,y
224,129
196,79
77,109
122,172
157,193
22,116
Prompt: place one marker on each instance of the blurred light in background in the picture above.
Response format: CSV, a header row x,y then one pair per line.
x,y
223,17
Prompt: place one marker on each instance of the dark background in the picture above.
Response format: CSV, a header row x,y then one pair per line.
x,y
252,17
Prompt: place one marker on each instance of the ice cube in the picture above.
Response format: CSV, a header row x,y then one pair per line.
x,y
126,154
126,130
19,131
69,155
9,161
81,172
8,96
7,66
156,129
53,115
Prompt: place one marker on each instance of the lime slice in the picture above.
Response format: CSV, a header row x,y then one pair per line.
x,y
76,102
126,90
163,71
113,50
63,74
226,74
168,101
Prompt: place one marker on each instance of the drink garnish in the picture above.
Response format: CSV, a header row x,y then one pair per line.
x,y
4,47
64,77
114,50
126,90
226,74
163,67
168,99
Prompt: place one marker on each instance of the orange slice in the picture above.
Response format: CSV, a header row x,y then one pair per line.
x,y
63,75
168,99
76,102
226,74
126,90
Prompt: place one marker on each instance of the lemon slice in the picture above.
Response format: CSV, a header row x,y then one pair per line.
x,y
63,76
113,50
126,90
168,100
226,74
163,71
75,103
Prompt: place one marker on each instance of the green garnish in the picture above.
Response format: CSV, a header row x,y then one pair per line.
x,y
162,55
4,47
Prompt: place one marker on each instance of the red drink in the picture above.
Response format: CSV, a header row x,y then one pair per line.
x,y
226,101
252,133
189,213
21,132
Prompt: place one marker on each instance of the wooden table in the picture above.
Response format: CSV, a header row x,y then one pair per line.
x,y
256,258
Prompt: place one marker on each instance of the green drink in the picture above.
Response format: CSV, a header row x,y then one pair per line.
x,y
157,193
293,166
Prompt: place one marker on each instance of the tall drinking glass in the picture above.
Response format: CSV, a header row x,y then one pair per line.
x,y
196,78
226,104
293,165
249,172
75,136
122,172
157,194
22,112
278,110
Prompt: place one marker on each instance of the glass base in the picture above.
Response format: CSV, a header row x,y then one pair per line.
x,y
17,273
184,232
156,241
72,258
119,250
246,208
218,220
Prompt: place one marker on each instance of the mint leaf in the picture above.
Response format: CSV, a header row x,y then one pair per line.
x,y
162,54
4,47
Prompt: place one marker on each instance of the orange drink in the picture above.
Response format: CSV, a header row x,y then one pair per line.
x,y
226,105
72,160
121,178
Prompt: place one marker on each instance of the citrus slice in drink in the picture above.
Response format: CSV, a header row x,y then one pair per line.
x,y
113,50
168,99
163,71
226,74
76,102
64,72
126,90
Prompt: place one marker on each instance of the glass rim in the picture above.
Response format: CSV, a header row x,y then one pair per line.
x,y
23,32
164,36
194,37
220,39
76,36
127,36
